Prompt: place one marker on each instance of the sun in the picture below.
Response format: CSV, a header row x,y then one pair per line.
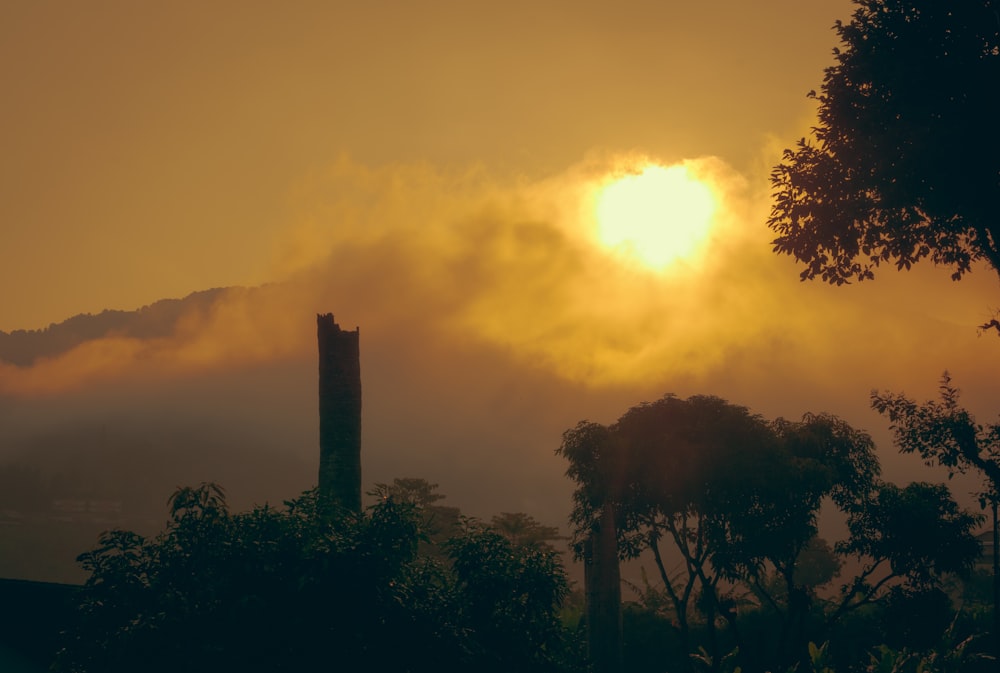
x,y
657,216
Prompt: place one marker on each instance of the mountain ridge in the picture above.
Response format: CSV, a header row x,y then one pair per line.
x,y
23,348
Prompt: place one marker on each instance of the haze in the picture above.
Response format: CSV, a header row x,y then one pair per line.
x,y
427,174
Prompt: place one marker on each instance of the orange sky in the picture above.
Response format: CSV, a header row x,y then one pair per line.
x,y
152,150
418,169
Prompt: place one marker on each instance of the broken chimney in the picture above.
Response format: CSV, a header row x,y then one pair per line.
x,y
339,414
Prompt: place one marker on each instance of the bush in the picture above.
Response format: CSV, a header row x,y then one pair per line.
x,y
298,588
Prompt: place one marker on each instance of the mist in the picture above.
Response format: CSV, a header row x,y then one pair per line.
x,y
491,322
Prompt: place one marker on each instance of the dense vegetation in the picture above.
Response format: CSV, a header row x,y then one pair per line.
x,y
721,504
298,588
736,499
904,162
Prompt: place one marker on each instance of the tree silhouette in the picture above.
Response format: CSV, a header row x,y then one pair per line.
x,y
943,432
506,595
413,490
339,414
438,522
908,538
524,531
688,476
295,589
676,471
738,497
596,466
772,503
904,163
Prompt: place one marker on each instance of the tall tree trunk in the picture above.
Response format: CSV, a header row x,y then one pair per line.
x,y
996,577
602,581
711,612
339,415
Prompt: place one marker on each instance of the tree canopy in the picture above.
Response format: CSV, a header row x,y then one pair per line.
x,y
904,163
944,432
738,498
295,588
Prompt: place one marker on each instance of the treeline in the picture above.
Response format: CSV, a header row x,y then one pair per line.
x,y
406,585
410,584
737,499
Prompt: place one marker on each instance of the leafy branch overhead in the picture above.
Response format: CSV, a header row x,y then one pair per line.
x,y
943,432
904,163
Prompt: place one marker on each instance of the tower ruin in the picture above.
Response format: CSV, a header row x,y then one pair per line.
x,y
339,414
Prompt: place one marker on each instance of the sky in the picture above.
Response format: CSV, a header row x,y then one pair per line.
x,y
152,150
428,172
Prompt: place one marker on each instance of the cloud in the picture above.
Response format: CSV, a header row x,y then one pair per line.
x,y
240,327
516,264
491,322
468,259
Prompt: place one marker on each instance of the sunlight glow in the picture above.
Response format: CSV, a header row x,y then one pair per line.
x,y
658,216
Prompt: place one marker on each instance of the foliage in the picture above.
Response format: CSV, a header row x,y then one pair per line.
x,y
810,460
506,593
953,654
727,664
295,589
738,497
817,564
437,522
819,658
919,531
594,466
675,494
903,164
943,432
412,490
907,539
524,531
915,619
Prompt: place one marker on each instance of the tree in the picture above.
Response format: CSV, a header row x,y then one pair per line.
x,y
908,539
595,466
412,490
731,492
523,530
507,592
687,472
904,163
772,528
738,497
438,522
295,588
943,432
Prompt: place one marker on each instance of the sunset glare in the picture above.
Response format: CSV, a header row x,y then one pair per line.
x,y
657,216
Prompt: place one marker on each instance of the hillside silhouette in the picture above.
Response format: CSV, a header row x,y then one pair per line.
x,y
24,347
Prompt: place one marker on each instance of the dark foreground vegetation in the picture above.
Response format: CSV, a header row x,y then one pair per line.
x,y
304,587
720,504
724,507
